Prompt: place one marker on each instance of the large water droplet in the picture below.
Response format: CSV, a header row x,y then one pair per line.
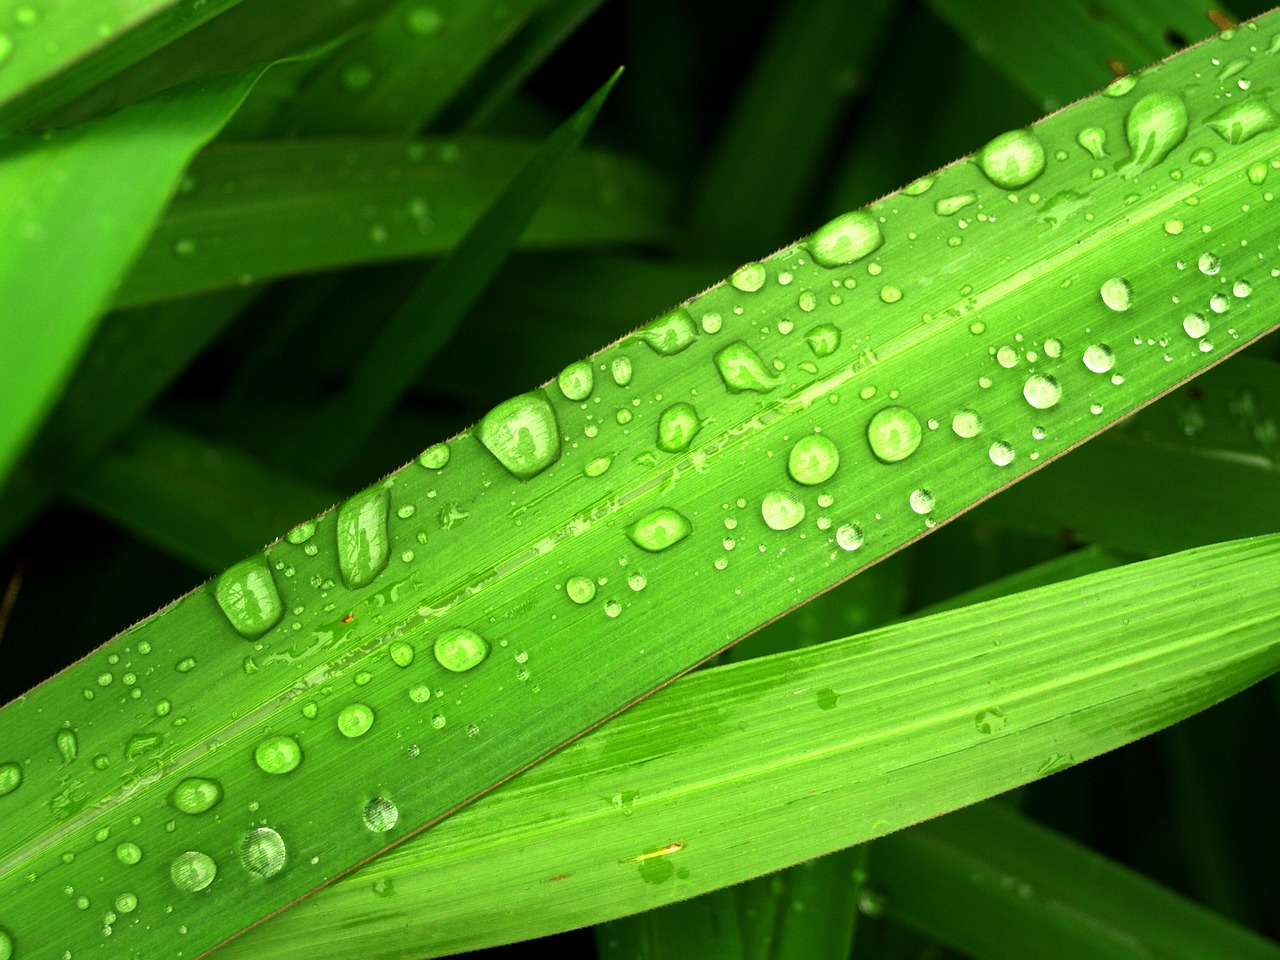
x,y
67,743
523,434
748,278
576,381
621,371
364,545
659,530
1195,325
6,944
921,501
1209,264
781,510
434,458
1012,159
742,370
355,720
1041,390
1117,293
671,333
894,434
128,853
849,536
846,239
580,589
192,871
1156,124
967,423
1238,122
1099,358
248,597
380,815
10,778
1094,140
1001,453
459,649
302,532
823,339
196,795
263,852
401,653
814,459
677,427
280,754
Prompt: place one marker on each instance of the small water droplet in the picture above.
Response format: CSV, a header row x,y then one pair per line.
x,y
522,434
637,581
576,381
659,530
921,501
1001,453
749,278
1013,159
263,852
459,649
894,434
1206,345
380,815
249,598
677,426
1209,264
613,608
128,853
1117,293
1242,288
598,466
1099,358
420,693
781,510
10,778
196,795
434,458
67,744
401,653
355,720
1203,157
813,459
967,423
1042,391
580,589
192,871
712,322
890,294
849,536
278,755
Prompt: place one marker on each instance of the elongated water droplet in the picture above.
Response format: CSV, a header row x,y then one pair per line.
x,y
742,370
1001,453
1013,159
950,206
580,589
434,458
302,532
278,755
364,545
1156,124
1094,140
677,427
576,381
659,530
263,852
6,938
196,795
1041,391
917,187
598,466
1099,358
355,720
459,649
192,871
823,340
380,815
813,459
621,370
672,332
1120,86
1238,122
748,278
1117,293
967,423
249,598
523,434
894,434
128,853
781,510
846,239
67,743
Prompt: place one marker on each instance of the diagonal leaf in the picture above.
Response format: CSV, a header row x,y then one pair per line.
x,y
813,750
689,467
84,229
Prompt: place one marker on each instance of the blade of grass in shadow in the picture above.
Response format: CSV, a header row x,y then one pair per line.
x,y
704,928
256,211
427,319
998,886
815,749
84,231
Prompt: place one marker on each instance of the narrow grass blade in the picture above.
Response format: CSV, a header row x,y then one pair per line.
x,y
52,55
83,230
1059,52
1000,887
790,412
256,211
815,749
705,928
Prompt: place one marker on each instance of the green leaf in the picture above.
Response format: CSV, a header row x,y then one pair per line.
x,y
71,233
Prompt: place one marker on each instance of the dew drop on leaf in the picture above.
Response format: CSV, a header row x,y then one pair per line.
x,y
128,853
950,206
846,239
364,543
1238,122
576,381
967,423
1209,264
192,871
1042,391
355,720
196,795
278,755
248,597
580,589
748,278
1156,124
1117,293
621,371
6,939
1099,358
380,815
677,426
433,458
1094,141
921,500
849,536
522,434
263,853
67,743
1012,159
1195,325
1001,453
813,459
781,510
673,332
401,653
302,532
659,530
459,649
823,340
894,434
742,370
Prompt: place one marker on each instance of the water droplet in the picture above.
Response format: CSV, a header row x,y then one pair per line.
x,y
749,278
781,510
1012,159
598,466
1206,345
613,608
1173,227
990,720
355,720
523,434
711,322
420,693
1007,357
1195,325
621,370
672,332
263,853
423,21
1001,453
917,187
6,944
196,795
434,458
128,853
823,340
849,536
1156,124
459,649
1042,391
677,426
1238,122
380,815
576,381
364,544
1242,288
1203,157
192,871
894,434
401,653
813,459
659,530
1209,264
1094,141
67,744
950,206
890,294
580,589
637,581
1219,303
1099,358
921,501
967,423
846,239
302,532
742,370
1120,86
278,755
249,598
1117,293
127,902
